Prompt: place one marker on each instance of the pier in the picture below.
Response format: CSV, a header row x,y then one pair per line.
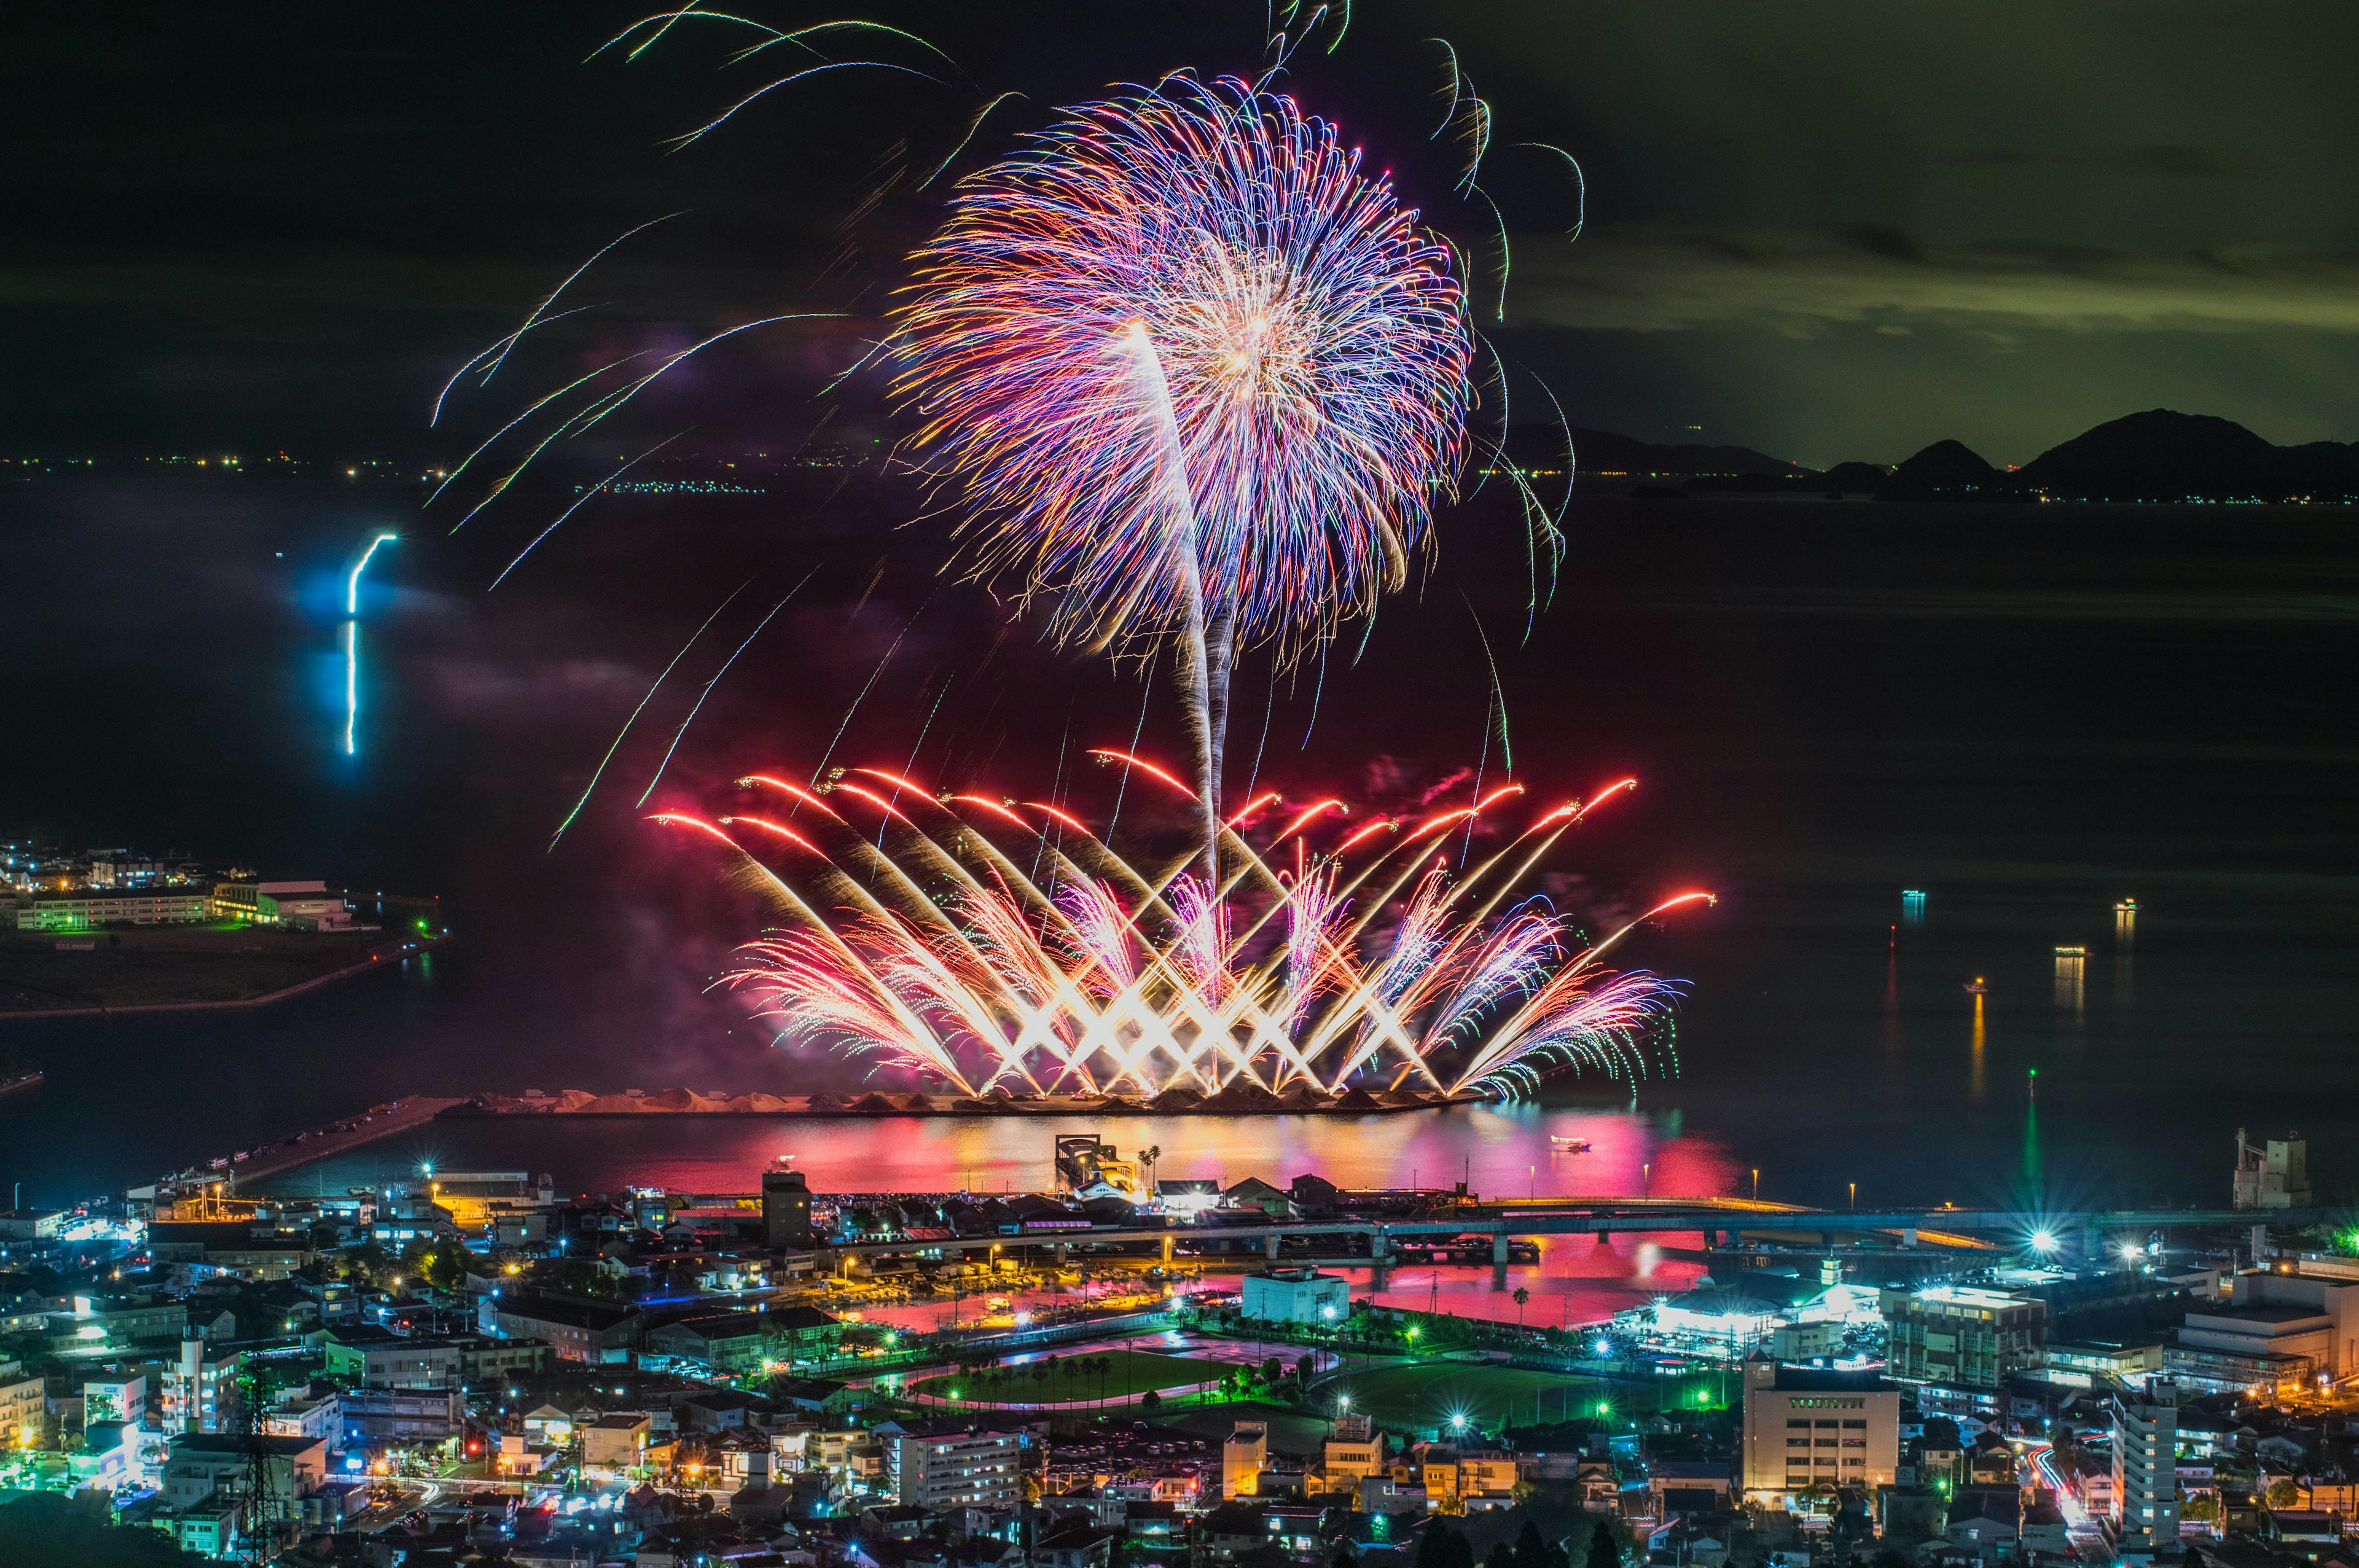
x,y
338,1137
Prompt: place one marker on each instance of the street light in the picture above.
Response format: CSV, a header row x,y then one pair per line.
x,y
2043,1241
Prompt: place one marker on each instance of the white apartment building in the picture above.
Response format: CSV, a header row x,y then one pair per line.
x,y
2146,1472
954,1469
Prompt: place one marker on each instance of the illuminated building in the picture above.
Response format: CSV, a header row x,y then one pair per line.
x,y
298,905
81,909
2272,1174
2280,1327
1963,1337
1297,1296
1807,1424
22,1406
952,1469
2146,1472
1244,1456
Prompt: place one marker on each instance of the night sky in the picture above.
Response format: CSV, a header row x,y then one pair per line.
x,y
1828,231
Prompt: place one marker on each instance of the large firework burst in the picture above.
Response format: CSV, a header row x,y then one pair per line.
x,y
1194,373
988,944
1182,331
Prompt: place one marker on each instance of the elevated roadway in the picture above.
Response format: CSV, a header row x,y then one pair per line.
x,y
2082,1233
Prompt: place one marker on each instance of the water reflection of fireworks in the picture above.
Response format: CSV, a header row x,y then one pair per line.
x,y
1075,971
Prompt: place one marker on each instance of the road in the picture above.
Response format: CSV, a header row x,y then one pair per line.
x,y
2088,1539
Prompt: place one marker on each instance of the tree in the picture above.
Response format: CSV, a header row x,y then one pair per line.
x,y
2204,1508
2283,1493
1442,1547
1501,1556
1150,1401
368,1264
44,1530
1522,1295
1530,1551
1604,1551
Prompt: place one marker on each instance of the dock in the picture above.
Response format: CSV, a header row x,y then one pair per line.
x,y
338,1137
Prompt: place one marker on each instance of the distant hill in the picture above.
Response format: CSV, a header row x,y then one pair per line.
x,y
1603,452
2158,456
1946,470
2165,456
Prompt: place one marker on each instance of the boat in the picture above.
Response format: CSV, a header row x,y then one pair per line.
x,y
27,1081
1978,987
1564,1143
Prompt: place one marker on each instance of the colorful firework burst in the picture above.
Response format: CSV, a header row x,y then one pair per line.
x,y
1183,335
1366,964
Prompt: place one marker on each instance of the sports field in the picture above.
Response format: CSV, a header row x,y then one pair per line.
x,y
1072,1379
1426,1397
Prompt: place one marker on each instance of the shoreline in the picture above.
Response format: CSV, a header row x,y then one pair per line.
x,y
576,1104
374,960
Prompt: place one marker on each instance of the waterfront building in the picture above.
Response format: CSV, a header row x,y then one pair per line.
x,y
2145,1473
2274,1173
786,1209
85,908
1807,1424
1965,1336
1297,1296
296,905
946,1468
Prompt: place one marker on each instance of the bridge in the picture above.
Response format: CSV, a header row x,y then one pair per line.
x,y
1374,1241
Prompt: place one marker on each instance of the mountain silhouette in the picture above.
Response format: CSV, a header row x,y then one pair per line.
x,y
2161,455
1603,452
1946,470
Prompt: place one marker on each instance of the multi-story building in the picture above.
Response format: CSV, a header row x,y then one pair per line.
x,y
1965,1336
378,1358
23,1406
1297,1296
201,1388
1807,1424
206,1469
2272,1174
2280,1327
2146,1472
370,1417
83,908
786,1209
1245,1454
953,1469
296,905
1353,1452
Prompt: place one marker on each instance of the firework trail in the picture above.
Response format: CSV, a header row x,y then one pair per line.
x,y
943,956
1193,373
